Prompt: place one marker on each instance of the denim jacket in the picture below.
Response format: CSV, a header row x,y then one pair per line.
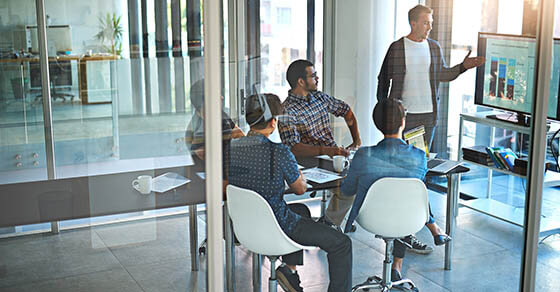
x,y
391,157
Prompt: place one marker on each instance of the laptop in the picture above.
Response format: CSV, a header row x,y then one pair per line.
x,y
442,166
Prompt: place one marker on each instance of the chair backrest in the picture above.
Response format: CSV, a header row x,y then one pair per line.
x,y
394,207
254,224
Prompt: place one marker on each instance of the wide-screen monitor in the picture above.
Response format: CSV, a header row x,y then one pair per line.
x,y
507,79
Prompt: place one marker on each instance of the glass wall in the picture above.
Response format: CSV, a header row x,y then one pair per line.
x,y
22,135
127,101
127,105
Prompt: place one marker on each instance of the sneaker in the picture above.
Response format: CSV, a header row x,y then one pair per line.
x,y
395,275
417,246
288,279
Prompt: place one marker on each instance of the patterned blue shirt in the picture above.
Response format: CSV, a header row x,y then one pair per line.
x,y
307,120
262,166
389,158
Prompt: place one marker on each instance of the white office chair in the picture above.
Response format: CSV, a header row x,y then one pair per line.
x,y
256,228
393,208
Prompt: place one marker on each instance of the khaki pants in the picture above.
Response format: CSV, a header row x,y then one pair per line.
x,y
339,205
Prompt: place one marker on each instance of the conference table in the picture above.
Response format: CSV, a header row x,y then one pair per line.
x,y
99,189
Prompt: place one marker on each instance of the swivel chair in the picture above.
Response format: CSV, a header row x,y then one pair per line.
x,y
256,228
393,208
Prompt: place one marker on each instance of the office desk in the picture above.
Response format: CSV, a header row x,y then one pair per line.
x,y
453,178
82,67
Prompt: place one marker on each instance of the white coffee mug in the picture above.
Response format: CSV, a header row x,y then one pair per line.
x,y
340,163
143,184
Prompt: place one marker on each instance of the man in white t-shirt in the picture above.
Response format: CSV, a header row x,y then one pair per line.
x,y
413,68
411,72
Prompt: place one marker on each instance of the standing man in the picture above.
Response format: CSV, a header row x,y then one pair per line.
x,y
413,69
411,72
307,128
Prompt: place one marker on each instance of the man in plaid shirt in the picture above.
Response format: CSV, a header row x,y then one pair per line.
x,y
307,129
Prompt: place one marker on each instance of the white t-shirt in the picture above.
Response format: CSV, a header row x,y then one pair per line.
x,y
417,92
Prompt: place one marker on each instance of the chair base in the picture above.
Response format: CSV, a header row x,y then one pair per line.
x,y
384,283
376,283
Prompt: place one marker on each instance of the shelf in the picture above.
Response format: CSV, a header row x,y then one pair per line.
x,y
493,168
510,214
551,178
481,118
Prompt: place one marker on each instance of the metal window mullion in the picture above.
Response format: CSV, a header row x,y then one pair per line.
x,y
329,22
45,88
311,30
533,203
213,129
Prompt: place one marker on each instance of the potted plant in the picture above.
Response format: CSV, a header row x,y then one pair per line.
x,y
110,30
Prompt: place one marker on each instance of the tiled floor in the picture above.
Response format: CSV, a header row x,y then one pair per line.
x,y
153,255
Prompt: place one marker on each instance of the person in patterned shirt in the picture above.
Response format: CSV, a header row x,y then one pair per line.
x,y
261,165
307,128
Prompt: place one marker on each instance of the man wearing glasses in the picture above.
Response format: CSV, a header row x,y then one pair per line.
x,y
307,129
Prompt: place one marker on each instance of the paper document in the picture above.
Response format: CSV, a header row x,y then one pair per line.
x,y
168,181
319,175
201,174
324,156
287,187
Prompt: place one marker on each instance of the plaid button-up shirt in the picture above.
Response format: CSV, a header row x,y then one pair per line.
x,y
307,119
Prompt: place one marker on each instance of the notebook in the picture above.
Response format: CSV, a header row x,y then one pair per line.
x,y
442,166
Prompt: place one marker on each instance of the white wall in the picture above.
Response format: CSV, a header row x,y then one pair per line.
x,y
364,29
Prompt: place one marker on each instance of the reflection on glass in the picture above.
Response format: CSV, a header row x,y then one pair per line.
x,y
283,40
22,142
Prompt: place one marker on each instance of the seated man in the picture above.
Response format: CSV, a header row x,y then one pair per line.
x,y
264,166
307,128
391,157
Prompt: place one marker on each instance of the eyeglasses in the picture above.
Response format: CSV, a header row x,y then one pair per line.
x,y
314,75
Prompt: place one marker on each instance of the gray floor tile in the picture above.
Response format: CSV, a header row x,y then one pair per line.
x,y
150,241
117,280
495,271
44,257
492,230
174,275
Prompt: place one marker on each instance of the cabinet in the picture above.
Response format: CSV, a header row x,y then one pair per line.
x,y
489,206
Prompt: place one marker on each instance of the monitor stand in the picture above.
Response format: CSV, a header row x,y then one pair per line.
x,y
514,118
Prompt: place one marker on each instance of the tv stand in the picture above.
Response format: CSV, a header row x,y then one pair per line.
x,y
487,204
514,118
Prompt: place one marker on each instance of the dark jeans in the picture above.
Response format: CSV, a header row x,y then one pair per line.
x,y
337,245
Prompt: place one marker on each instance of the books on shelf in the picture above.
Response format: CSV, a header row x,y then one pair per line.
x,y
477,154
502,158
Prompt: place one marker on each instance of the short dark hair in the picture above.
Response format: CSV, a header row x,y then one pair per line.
x,y
415,12
388,115
196,94
296,70
254,110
